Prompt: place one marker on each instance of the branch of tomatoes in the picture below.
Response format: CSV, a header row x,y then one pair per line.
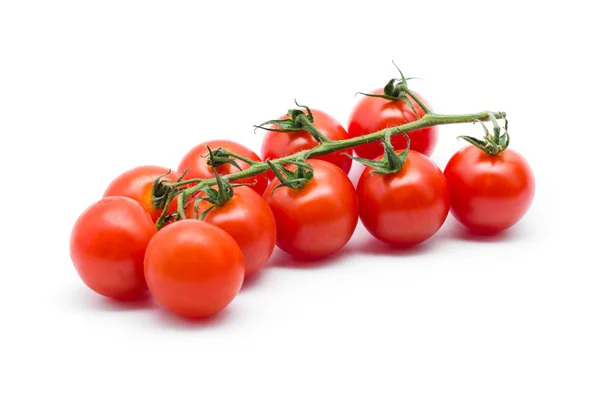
x,y
168,191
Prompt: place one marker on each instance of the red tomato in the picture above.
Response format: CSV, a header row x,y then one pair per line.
x,y
196,161
281,144
372,114
107,247
193,268
249,220
489,194
406,207
318,219
137,185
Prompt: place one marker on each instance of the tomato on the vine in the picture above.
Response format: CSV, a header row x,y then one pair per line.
x,y
489,193
248,219
137,185
281,144
193,268
372,114
405,207
196,163
107,247
319,218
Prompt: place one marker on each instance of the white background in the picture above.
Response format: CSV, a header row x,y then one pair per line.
x,y
90,89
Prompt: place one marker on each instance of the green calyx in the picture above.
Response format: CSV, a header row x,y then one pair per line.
x,y
293,179
224,191
397,89
391,162
217,197
219,157
491,144
163,190
299,120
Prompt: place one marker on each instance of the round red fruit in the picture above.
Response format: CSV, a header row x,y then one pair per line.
x,y
489,193
107,247
196,163
193,268
406,207
137,185
281,144
319,218
373,114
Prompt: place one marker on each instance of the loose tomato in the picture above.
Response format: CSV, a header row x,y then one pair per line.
x,y
193,268
137,185
489,193
406,207
195,161
281,144
249,220
107,247
318,219
372,114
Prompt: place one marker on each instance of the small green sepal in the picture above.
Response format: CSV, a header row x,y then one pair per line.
x,y
295,179
492,144
391,162
291,124
397,89
219,157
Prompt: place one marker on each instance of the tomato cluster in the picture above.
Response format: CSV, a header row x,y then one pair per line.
x,y
196,263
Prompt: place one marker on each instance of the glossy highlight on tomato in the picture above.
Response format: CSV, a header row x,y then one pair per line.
x,y
489,193
372,114
249,220
107,247
137,185
406,207
281,144
317,220
193,268
195,162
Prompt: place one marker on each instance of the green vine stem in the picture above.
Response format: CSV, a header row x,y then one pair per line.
x,y
325,147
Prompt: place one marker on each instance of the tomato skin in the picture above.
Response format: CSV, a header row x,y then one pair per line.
x,y
198,168
249,220
281,144
193,268
136,184
489,194
372,114
318,219
407,207
107,247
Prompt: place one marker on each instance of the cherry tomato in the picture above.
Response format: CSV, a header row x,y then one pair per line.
x,y
193,268
196,163
281,144
406,207
137,185
107,247
372,114
249,220
489,194
318,219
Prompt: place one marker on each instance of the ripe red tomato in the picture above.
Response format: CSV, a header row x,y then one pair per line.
x,y
137,185
193,268
249,220
318,219
196,162
406,207
372,114
281,144
107,247
489,194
